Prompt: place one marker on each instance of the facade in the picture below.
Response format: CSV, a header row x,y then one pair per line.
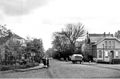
x,y
104,47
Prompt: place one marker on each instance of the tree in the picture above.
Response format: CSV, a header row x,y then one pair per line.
x,y
60,42
72,32
9,48
117,34
13,50
35,49
65,40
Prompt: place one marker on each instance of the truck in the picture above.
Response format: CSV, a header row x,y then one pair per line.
x,y
76,58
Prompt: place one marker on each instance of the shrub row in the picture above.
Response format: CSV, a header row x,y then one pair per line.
x,y
11,67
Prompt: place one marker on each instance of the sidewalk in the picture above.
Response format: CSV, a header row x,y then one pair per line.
x,y
32,68
111,66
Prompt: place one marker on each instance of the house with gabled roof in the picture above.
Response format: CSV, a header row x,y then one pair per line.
x,y
103,47
6,39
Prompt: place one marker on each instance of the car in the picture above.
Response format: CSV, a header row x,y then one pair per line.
x,y
76,58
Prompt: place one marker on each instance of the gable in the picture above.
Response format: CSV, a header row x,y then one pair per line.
x,y
109,42
96,38
108,38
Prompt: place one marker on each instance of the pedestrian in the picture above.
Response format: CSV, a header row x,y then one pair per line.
x,y
45,62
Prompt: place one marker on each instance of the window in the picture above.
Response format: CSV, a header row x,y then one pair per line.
x,y
113,42
100,54
116,53
105,44
106,54
109,44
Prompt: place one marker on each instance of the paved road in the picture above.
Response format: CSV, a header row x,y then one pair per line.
x,y
60,69
86,70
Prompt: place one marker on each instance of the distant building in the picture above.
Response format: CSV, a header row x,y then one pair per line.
x,y
6,39
16,37
103,47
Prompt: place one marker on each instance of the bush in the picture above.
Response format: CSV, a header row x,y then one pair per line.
x,y
32,64
5,68
101,61
115,61
10,67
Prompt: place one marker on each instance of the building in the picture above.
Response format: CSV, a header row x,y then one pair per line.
x,y
5,40
103,47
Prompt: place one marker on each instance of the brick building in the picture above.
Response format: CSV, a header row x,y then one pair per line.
x,y
103,47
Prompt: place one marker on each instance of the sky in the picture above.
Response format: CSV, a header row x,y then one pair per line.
x,y
41,18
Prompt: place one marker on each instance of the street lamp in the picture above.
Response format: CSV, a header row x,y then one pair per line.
x,y
103,52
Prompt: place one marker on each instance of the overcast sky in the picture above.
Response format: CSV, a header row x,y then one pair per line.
x,y
40,18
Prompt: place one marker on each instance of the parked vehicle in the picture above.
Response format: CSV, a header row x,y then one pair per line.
x,y
76,58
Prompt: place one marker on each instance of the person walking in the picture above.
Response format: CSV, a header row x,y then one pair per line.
x,y
45,62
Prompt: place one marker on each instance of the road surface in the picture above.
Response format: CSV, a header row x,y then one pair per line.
x,y
85,70
61,69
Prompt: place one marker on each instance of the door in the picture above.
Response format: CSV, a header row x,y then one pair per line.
x,y
112,54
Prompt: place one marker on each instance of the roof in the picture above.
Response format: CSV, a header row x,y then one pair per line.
x,y
108,38
6,38
94,38
97,38
16,36
6,34
100,35
77,55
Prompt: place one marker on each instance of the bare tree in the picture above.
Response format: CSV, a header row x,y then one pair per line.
x,y
65,40
72,32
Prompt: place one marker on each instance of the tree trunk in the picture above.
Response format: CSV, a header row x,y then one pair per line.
x,y
72,47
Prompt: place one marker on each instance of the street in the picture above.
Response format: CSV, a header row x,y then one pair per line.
x,y
40,73
85,70
62,69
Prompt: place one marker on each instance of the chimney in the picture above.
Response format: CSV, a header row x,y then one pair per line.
x,y
104,34
110,35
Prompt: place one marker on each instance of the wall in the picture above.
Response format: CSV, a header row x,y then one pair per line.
x,y
117,44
